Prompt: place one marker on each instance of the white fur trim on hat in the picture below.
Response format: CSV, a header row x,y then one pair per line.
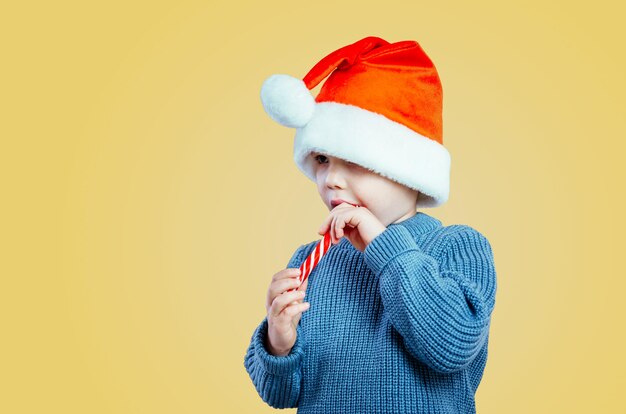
x,y
287,100
379,144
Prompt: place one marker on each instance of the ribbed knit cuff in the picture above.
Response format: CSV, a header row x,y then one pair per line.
x,y
278,365
392,242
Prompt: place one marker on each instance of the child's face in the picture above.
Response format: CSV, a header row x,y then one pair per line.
x,y
388,200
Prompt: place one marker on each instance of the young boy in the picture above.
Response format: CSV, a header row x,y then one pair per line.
x,y
400,305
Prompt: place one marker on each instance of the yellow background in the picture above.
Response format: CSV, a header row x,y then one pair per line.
x,y
147,199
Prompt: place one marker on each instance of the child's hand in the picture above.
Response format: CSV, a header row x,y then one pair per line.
x,y
358,224
284,310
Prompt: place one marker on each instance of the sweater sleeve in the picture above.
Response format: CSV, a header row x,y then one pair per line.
x,y
441,308
276,379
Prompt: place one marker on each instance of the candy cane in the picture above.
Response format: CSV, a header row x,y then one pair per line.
x,y
321,248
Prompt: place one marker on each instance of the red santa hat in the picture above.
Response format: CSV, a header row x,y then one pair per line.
x,y
381,108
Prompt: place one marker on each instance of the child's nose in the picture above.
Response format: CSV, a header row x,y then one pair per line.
x,y
336,176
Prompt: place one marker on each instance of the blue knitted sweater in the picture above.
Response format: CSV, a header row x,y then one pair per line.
x,y
402,327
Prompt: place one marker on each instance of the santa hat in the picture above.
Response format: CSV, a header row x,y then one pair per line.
x,y
381,108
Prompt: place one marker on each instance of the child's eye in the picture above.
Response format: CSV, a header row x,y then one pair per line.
x,y
317,158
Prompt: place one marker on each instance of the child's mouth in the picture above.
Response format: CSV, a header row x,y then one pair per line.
x,y
336,203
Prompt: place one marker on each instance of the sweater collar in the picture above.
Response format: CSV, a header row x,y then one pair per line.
x,y
417,225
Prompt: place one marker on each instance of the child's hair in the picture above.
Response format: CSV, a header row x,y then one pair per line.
x,y
381,107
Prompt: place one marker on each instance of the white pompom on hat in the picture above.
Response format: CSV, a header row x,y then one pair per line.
x,y
287,100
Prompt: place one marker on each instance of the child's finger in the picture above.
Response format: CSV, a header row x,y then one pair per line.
x,y
285,280
283,285
325,224
292,310
333,234
299,285
339,225
282,301
303,285
290,272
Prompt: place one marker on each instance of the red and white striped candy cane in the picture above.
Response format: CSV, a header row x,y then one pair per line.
x,y
314,258
316,255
